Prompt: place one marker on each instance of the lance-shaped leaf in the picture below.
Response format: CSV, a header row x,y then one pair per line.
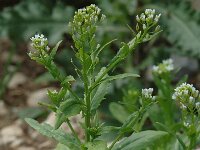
x,y
96,145
68,79
118,111
58,135
60,146
139,141
99,49
54,50
55,97
119,76
130,122
100,93
67,109
109,129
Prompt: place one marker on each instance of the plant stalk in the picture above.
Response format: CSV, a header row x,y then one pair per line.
x,y
87,101
73,131
115,141
192,143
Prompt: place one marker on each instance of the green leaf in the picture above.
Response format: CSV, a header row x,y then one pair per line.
x,y
98,50
68,79
30,17
119,76
182,80
44,78
101,91
55,97
32,112
58,135
61,147
130,122
54,50
141,140
47,105
182,30
118,111
108,129
173,133
97,145
67,109
175,145
154,115
122,54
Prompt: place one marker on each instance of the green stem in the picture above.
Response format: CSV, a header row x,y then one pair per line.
x,y
73,131
132,44
192,142
115,141
72,92
87,119
87,100
192,136
103,74
181,141
53,68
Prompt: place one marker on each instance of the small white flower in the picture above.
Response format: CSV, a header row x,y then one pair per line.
x,y
155,68
54,92
157,17
144,26
138,18
174,96
39,41
103,17
198,105
183,106
191,100
147,93
148,16
186,95
138,35
186,124
165,67
142,17
149,11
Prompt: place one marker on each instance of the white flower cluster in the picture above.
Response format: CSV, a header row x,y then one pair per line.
x,y
147,21
55,92
39,42
186,124
165,67
147,94
86,17
187,96
148,17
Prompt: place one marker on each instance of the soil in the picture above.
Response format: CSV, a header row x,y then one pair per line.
x,y
15,134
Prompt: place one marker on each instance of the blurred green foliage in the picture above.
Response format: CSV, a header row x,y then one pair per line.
x,y
180,20
23,20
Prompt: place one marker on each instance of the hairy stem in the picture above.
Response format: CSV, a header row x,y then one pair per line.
x,y
115,141
72,130
192,142
132,44
53,69
87,100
